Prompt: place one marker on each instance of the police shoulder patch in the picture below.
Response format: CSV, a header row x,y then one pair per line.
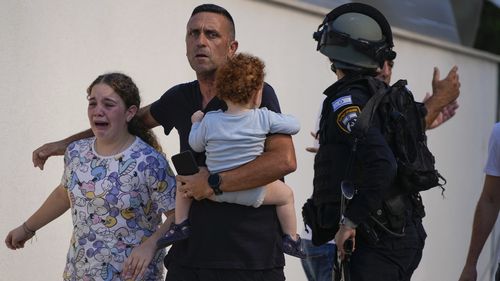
x,y
340,102
347,118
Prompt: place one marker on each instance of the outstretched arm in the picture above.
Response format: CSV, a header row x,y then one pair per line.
x,y
486,214
445,93
277,161
55,205
41,154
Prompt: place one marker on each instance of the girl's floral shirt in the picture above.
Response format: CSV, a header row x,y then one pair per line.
x,y
116,203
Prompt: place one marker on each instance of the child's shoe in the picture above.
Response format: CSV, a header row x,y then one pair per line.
x,y
293,248
176,233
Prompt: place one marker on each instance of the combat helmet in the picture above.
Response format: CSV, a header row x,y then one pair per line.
x,y
355,36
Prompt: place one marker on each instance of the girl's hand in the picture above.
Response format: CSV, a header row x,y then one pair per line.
x,y
17,237
136,264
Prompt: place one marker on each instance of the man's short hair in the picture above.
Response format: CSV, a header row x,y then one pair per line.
x,y
212,8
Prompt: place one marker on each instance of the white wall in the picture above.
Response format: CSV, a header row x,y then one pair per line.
x,y
52,50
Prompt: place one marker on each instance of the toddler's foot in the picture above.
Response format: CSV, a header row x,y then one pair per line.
x,y
293,247
176,233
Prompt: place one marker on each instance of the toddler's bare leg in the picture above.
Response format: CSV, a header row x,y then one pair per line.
x,y
281,195
182,205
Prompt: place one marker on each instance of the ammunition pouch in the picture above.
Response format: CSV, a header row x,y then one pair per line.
x,y
395,213
322,220
390,220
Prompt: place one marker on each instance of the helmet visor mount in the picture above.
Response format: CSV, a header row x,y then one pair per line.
x,y
378,50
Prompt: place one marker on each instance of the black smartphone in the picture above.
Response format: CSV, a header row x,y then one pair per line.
x,y
184,163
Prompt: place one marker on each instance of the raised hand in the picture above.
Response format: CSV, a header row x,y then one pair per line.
x,y
445,93
448,89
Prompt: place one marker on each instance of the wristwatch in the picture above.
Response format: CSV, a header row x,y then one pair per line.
x,y
214,181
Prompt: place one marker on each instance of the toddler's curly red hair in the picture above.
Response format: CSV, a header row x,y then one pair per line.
x,y
240,78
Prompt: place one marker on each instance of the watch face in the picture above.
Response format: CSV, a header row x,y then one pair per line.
x,y
214,180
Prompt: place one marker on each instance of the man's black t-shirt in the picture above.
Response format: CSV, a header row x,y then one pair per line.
x,y
223,235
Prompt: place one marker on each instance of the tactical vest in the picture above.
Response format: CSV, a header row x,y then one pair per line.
x,y
403,126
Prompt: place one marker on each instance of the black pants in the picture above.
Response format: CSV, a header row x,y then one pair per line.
x,y
182,273
392,259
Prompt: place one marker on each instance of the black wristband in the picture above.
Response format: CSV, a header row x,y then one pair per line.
x,y
27,230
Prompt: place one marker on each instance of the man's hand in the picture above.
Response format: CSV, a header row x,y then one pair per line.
x,y
195,186
449,87
313,149
41,154
445,92
344,233
445,114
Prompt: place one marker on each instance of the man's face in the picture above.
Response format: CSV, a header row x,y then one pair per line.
x,y
208,42
385,73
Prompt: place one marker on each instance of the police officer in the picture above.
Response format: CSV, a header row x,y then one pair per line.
x,y
383,222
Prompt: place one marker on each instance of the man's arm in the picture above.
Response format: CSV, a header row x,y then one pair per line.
x,y
147,118
445,92
484,218
277,161
41,154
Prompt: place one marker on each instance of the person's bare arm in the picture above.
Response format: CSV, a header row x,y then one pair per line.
x,y
145,115
41,154
277,161
444,93
484,218
55,205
